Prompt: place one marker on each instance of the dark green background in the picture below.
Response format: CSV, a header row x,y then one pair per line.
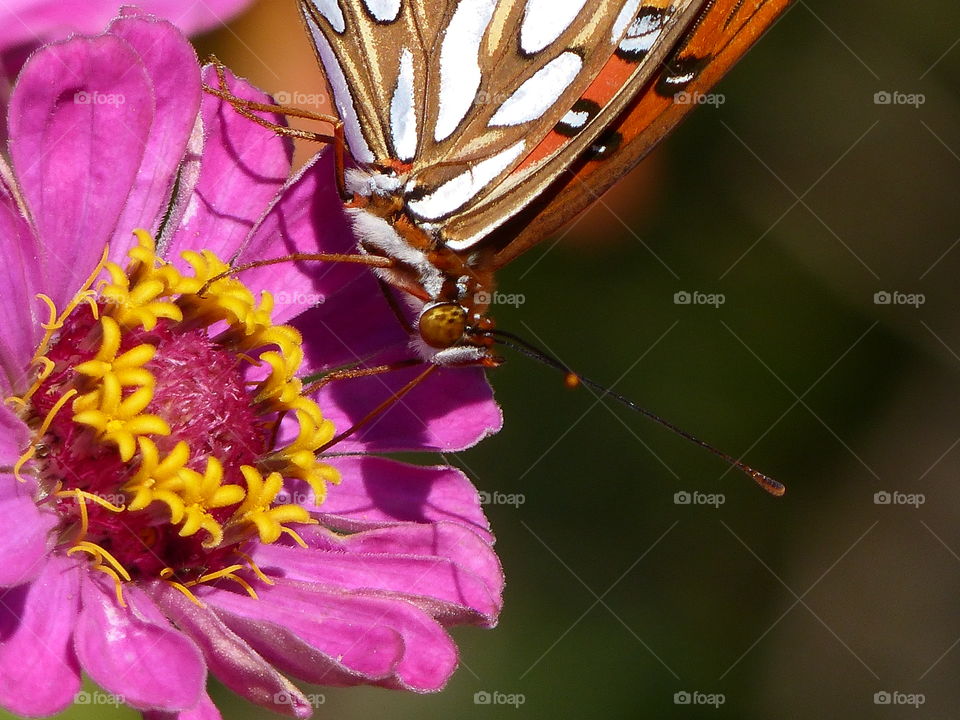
x,y
616,597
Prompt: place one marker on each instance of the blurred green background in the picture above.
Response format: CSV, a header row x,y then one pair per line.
x,y
798,199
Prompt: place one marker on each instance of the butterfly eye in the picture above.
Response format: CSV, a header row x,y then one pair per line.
x,y
443,325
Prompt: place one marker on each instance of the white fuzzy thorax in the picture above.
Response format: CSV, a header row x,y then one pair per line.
x,y
368,183
377,236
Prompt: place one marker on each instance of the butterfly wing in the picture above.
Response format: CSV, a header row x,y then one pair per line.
x,y
718,40
482,105
459,94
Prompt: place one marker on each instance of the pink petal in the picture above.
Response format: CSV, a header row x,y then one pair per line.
x,y
171,64
377,492
204,710
14,435
230,659
80,116
192,17
309,639
39,674
429,654
353,321
308,217
20,312
134,652
449,542
451,410
25,551
428,657
242,168
45,20
445,589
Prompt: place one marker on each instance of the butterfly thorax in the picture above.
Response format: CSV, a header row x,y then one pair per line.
x,y
454,287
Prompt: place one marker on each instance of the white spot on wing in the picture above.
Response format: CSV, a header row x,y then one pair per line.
x,y
576,119
459,63
403,112
626,15
330,9
383,10
539,92
341,94
545,20
457,192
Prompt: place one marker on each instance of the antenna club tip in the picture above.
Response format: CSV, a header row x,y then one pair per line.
x,y
767,483
571,380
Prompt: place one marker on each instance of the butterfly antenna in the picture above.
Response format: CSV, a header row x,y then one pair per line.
x,y
572,380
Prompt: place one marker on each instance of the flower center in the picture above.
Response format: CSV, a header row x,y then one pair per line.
x,y
157,408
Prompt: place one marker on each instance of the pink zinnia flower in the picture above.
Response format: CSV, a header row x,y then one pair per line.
x,y
164,523
26,24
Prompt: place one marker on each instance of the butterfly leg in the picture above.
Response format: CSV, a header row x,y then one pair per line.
x,y
368,260
394,398
352,373
246,109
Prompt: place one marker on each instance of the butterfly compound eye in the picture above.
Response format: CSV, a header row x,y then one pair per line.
x,y
443,325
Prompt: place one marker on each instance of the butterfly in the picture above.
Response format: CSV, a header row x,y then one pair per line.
x,y
479,127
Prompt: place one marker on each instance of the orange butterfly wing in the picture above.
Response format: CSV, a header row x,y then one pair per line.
x,y
722,34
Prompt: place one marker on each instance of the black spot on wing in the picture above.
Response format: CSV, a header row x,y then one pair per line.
x,y
679,73
604,146
582,112
642,34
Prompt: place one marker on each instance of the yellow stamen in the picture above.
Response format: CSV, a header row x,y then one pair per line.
x,y
102,554
186,591
296,538
244,584
23,460
117,584
257,508
158,480
48,366
47,421
56,322
216,575
227,573
115,570
253,566
84,517
83,496
118,419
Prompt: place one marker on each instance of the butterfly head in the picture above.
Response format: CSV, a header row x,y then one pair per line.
x,y
443,325
453,335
